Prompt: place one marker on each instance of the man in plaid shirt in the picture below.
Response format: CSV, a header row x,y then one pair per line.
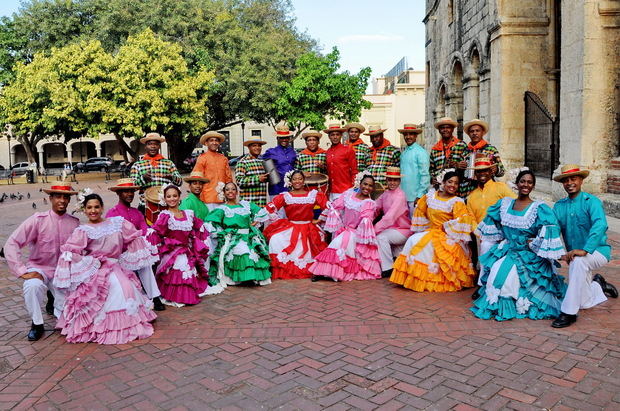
x,y
362,151
311,159
251,176
153,169
383,154
462,153
441,153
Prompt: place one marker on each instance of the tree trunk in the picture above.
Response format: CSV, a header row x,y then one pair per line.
x,y
179,149
124,148
30,147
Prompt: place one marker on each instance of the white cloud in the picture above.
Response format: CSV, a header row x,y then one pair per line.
x,y
355,38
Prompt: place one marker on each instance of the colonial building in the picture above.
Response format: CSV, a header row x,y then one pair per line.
x,y
543,73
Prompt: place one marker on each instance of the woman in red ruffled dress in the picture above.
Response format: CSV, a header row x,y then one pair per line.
x,y
294,241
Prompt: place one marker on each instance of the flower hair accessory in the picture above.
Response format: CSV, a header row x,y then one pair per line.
x,y
442,175
511,176
79,205
161,196
219,189
287,179
359,177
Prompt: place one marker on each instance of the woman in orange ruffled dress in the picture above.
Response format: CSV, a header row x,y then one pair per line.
x,y
436,257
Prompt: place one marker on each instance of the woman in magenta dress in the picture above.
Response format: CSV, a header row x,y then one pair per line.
x,y
184,248
104,301
353,253
294,241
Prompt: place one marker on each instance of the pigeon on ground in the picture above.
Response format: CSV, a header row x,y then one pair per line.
x,y
34,206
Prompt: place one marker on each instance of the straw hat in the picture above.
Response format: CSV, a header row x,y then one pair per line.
x,y
373,131
476,122
311,133
124,184
196,176
358,126
152,136
446,121
482,163
334,127
410,128
283,131
61,187
254,141
316,179
151,194
393,172
209,134
570,170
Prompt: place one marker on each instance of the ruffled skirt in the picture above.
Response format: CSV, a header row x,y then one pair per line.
x,y
238,258
430,261
346,259
108,308
181,279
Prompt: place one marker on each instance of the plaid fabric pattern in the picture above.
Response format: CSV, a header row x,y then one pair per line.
x,y
164,167
439,161
306,162
246,173
462,154
388,156
362,155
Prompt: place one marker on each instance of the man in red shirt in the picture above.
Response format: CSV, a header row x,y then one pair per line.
x,y
341,163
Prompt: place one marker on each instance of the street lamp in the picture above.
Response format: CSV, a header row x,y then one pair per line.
x,y
10,175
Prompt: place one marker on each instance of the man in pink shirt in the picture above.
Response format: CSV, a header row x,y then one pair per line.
x,y
126,190
44,232
393,228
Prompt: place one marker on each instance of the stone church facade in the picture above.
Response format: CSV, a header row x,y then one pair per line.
x,y
545,74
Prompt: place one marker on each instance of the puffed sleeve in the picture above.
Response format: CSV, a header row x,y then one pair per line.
x,y
333,221
138,252
490,229
419,220
74,268
463,223
548,241
273,206
201,241
321,200
159,230
365,231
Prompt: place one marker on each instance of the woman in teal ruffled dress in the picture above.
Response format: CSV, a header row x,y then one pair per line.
x,y
241,253
519,279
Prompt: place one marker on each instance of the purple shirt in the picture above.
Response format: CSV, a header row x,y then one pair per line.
x,y
44,232
284,159
130,214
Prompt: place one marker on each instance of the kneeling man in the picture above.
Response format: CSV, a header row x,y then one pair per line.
x,y
584,228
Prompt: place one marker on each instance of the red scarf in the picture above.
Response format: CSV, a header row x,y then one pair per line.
x,y
356,142
312,153
448,148
375,150
153,159
478,146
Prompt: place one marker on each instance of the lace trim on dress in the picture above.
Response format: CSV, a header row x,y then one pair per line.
x,y
551,248
419,224
181,225
110,226
138,259
308,199
518,221
73,274
440,205
489,232
230,212
354,204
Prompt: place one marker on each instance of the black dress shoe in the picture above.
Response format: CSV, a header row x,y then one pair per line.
x,y
476,294
158,305
608,288
386,273
564,320
36,332
49,307
315,278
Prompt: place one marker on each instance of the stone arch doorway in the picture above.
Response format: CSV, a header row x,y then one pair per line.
x,y
542,137
54,155
471,87
456,97
82,151
440,108
19,153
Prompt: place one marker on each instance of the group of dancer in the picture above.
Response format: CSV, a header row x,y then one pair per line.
x,y
108,275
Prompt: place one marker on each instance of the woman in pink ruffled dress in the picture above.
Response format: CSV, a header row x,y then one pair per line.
x,y
353,253
184,247
104,299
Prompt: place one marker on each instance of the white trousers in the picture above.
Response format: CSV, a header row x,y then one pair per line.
x,y
147,278
582,292
483,247
334,196
35,297
390,243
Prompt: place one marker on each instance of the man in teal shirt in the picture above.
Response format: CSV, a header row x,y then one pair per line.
x,y
584,228
196,181
414,166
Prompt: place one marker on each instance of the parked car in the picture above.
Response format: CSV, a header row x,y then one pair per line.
x,y
102,164
20,168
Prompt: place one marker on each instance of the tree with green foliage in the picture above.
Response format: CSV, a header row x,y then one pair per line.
x,y
319,90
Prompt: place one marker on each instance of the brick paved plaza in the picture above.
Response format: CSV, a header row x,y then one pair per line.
x,y
302,345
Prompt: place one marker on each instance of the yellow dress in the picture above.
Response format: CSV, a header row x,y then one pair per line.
x,y
436,257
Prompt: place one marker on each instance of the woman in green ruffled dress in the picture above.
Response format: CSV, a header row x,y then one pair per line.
x,y
241,254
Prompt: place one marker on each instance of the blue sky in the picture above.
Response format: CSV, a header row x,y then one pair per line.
x,y
367,33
